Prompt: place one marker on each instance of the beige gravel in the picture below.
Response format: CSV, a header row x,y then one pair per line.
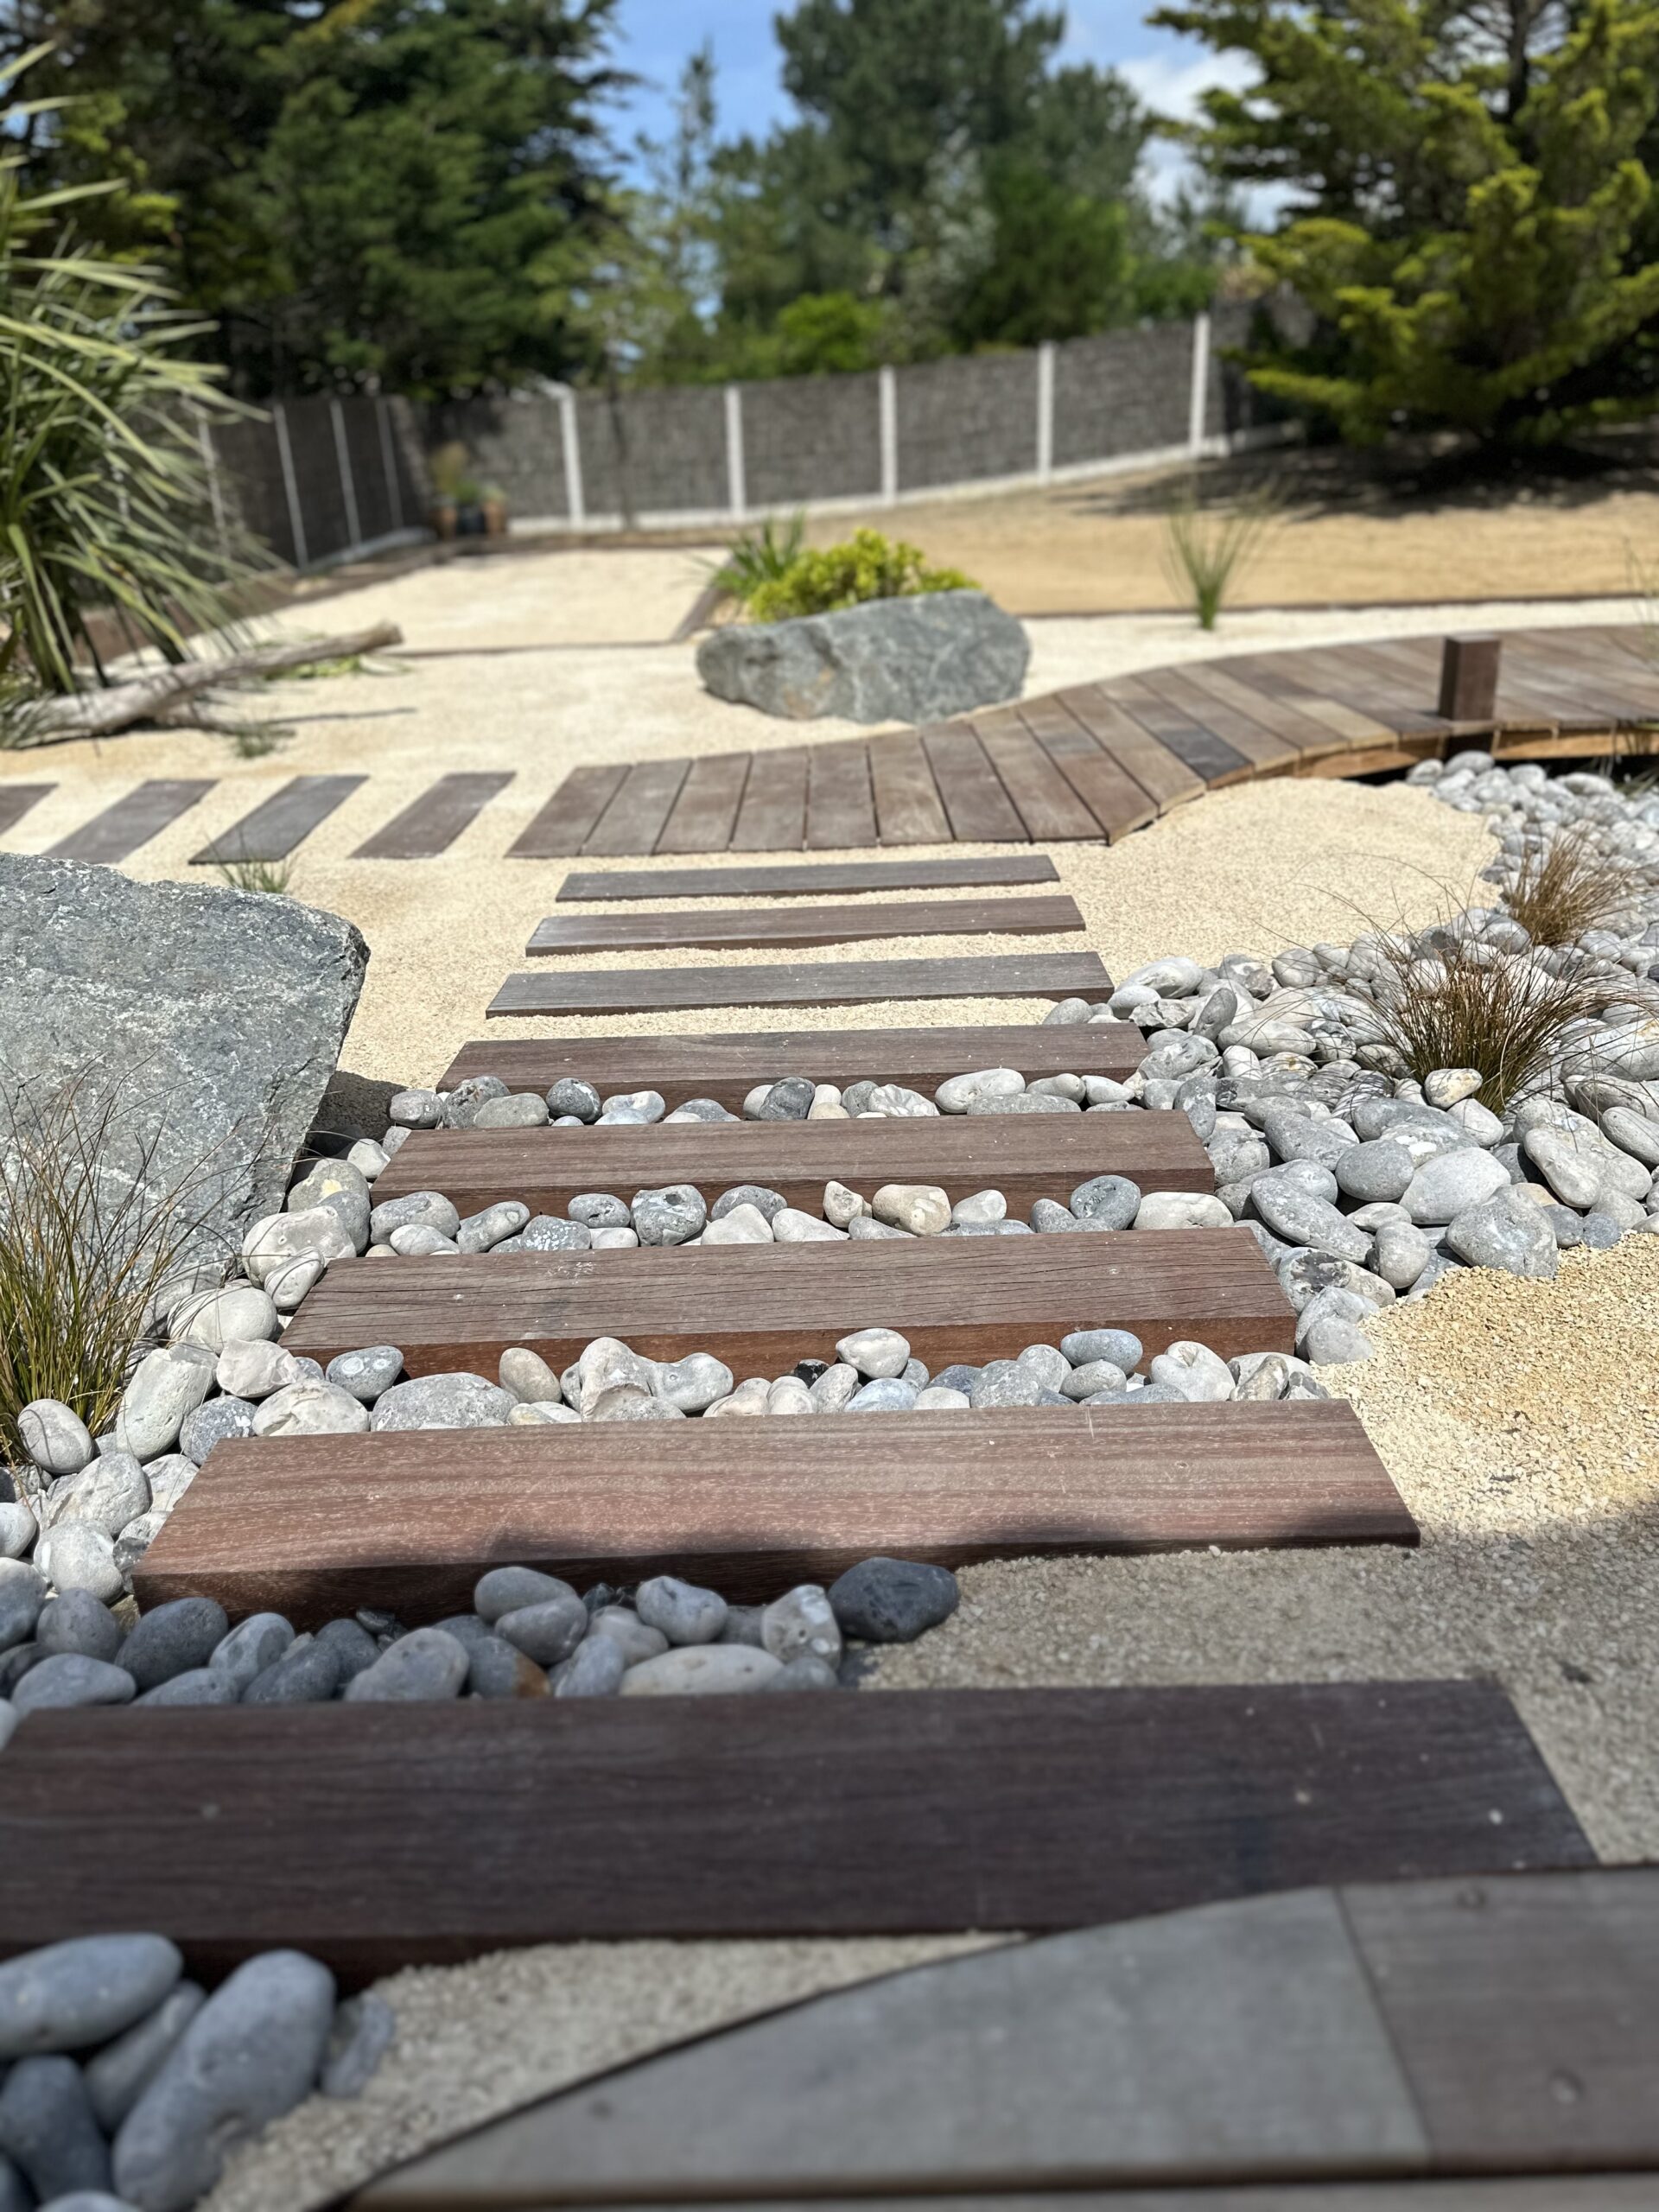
x,y
475,2041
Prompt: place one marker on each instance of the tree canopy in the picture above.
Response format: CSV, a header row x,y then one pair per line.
x,y
1469,205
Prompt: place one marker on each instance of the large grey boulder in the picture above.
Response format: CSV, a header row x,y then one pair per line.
x,y
910,660
212,1018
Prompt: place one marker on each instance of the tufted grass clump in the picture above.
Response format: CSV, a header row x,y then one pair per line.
x,y
272,876
1207,549
1568,885
821,580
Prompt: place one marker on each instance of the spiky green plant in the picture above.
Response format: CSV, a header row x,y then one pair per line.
x,y
274,876
759,556
1207,549
105,500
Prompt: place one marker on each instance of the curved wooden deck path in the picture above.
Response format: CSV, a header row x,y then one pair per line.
x,y
1098,760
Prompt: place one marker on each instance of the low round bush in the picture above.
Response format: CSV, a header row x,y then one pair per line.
x,y
868,566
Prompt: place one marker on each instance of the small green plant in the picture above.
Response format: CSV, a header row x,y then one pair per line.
x,y
868,566
253,741
450,468
1206,550
274,876
761,557
1568,885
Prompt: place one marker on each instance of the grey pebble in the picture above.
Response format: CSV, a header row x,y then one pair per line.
x,y
508,1589
364,2031
117,2076
217,1422
48,2127
594,1669
788,1100
76,1621
672,1215
309,1673
959,1377
546,1632
600,1210
68,1996
173,1639
1111,1200
571,1095
443,1401
892,1600
887,1394
765,1201
251,1646
200,1686
424,1667
685,1613
69,1680
806,1671
368,1374
351,1644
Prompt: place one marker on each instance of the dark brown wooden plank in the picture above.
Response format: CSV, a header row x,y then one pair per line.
x,y
1165,779
565,823
1110,793
1469,666
761,1307
636,817
1189,739
315,1526
728,927
840,809
1526,2015
1264,748
279,823
908,807
707,806
1026,1156
850,982
1048,805
133,820
981,811
726,1068
380,1836
16,799
773,817
432,824
808,877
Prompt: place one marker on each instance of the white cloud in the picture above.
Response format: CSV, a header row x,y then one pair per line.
x,y
1171,85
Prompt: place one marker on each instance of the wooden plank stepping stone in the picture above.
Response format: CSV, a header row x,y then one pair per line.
x,y
830,983
760,1307
432,824
315,1526
809,876
1026,1156
16,799
1276,2038
281,821
133,820
728,927
726,1068
379,1836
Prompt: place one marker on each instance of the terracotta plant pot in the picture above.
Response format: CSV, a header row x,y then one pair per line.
x,y
495,518
443,516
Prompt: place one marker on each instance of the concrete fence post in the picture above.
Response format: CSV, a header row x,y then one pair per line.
x,y
347,485
290,486
389,463
570,440
888,393
737,493
1199,413
1045,411
215,489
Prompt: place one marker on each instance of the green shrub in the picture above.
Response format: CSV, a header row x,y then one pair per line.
x,y
868,566
761,557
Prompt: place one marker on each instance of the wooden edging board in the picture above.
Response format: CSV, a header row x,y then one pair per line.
x,y
378,1836
316,1526
761,1307
805,878
1026,1156
826,982
729,928
725,1068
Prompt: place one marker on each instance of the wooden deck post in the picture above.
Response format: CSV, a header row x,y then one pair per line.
x,y
1469,677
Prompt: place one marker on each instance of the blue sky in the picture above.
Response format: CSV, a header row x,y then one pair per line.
x,y
656,35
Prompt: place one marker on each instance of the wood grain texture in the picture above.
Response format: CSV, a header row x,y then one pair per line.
x,y
1026,1156
840,804
635,818
726,1068
804,879
706,809
275,827
143,813
315,1526
908,807
850,982
725,927
17,800
773,816
378,1836
564,824
760,1307
432,824
978,808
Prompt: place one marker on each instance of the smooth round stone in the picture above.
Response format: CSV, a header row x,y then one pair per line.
x,y
135,1540
672,1215
891,1601
541,1416
1048,1362
461,1105
283,1240
1444,1087
199,1686
699,1110
309,1673
18,1528
492,1226
521,1109
856,1097
1094,1374
546,1632
788,1100
957,1376
252,1369
424,1667
56,1438
365,2030
504,1590
76,1556
69,1679
1449,1184
790,1226
1148,1394
1176,1209
742,1225
1068,1012
499,1670
1294,1213
165,1386
1305,1275
76,1621
694,1383
833,1390
607,1364
980,1208
875,1352
108,1495
353,1647
623,1403
311,1410
441,1402
887,1394
897,1101
685,1613
1200,1375
1050,1219
1120,1346
50,2130
418,1210
252,2053
1600,1231
168,1480
1381,1170
174,1638
418,1242
941,1399
743,1625
1334,1340
803,1672
985,1085
119,2074
649,1105
699,1670
622,1626
547,1232
15,1663
767,1202
1633,1133
371,1159
616,1240
368,1374
1403,1252
1111,1200
1026,1102
216,1422
572,1098
251,1646
599,1209
842,1206
1003,1382
527,1377
802,1623
921,1208
415,1109
862,1229
214,1319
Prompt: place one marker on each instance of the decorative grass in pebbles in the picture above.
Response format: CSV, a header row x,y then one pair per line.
x,y
1519,1420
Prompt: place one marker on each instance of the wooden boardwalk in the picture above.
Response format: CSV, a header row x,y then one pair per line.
x,y
1098,760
